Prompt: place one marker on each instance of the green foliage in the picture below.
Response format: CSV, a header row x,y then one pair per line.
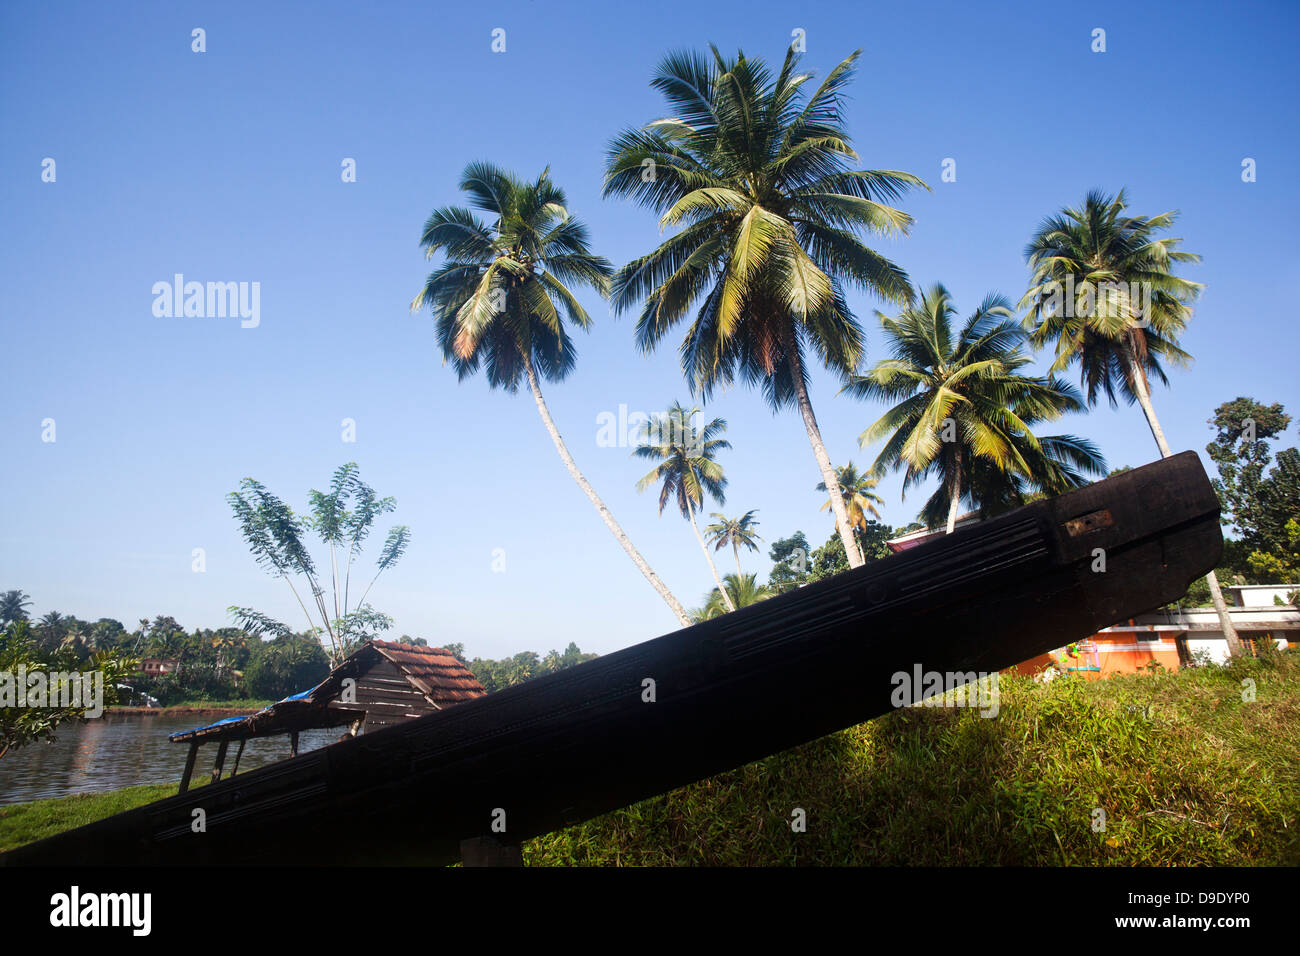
x,y
743,589
1187,773
736,532
19,654
497,675
858,491
286,665
343,519
757,175
686,466
1257,504
1282,567
829,559
963,410
499,296
793,562
1107,330
13,606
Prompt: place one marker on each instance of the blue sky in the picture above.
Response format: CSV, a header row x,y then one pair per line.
x,y
225,166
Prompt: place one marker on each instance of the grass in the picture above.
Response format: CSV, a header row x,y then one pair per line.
x,y
22,823
1186,771
241,704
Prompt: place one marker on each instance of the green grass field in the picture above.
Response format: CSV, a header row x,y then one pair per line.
x,y
210,705
1185,770
27,822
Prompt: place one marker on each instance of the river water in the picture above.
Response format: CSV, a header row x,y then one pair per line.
x,y
127,750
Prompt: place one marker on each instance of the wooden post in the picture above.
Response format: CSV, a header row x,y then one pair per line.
x,y
489,851
238,753
189,766
293,743
221,760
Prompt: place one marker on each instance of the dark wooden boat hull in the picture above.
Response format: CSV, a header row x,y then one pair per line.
x,y
566,747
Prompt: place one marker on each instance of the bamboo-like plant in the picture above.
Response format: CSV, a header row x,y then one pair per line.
x,y
342,518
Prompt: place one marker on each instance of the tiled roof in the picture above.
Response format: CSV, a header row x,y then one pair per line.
x,y
438,674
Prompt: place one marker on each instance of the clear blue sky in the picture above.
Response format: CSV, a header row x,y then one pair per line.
x,y
225,166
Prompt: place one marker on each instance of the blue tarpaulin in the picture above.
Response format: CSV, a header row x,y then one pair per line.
x,y
301,695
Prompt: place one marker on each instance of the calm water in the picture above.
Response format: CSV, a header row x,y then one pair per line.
x,y
125,751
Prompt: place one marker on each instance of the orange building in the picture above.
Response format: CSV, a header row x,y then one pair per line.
x,y
1172,638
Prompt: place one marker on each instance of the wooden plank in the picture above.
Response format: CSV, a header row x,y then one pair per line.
x,y
220,761
189,765
418,705
238,753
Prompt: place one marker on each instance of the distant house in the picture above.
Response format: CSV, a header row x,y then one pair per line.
x,y
1170,638
910,540
383,683
157,666
1176,637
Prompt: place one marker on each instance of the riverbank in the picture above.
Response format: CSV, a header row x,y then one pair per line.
x,y
218,709
22,823
183,709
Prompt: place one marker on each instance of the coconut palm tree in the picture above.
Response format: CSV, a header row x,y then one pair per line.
x,y
1057,463
746,589
687,468
961,403
859,496
735,532
501,296
75,641
51,628
1104,294
13,606
758,176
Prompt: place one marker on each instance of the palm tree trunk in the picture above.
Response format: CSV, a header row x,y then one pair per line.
x,y
954,490
735,549
1143,392
823,460
690,513
603,511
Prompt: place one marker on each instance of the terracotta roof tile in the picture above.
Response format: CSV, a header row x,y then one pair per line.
x,y
442,678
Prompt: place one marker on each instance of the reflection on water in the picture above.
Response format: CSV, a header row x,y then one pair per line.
x,y
127,750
